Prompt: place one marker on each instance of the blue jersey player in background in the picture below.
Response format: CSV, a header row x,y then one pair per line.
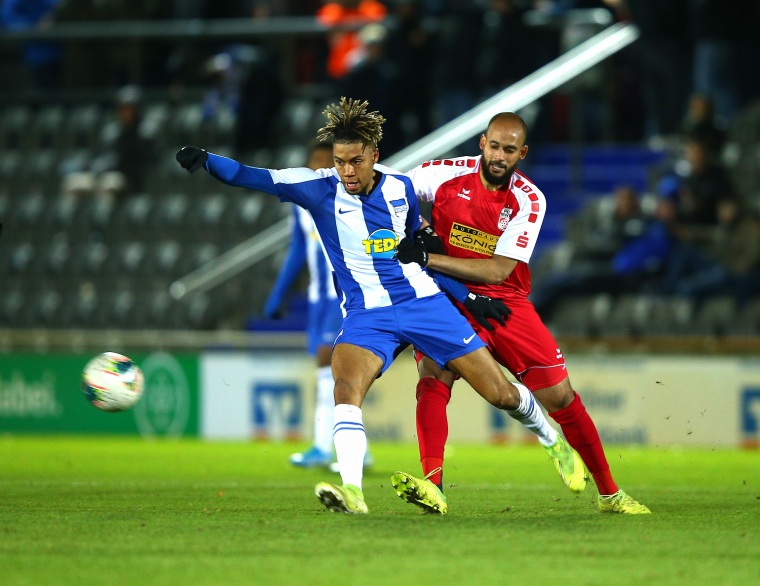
x,y
365,218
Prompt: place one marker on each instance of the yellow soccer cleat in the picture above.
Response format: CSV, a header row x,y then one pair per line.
x,y
422,493
568,464
341,499
621,503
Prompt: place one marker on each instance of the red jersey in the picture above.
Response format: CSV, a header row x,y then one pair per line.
x,y
476,223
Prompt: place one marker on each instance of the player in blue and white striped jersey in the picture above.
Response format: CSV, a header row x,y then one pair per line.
x,y
324,318
361,214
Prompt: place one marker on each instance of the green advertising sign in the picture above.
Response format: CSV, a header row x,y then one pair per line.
x,y
41,393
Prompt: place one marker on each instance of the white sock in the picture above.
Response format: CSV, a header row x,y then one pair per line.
x,y
350,443
530,415
323,412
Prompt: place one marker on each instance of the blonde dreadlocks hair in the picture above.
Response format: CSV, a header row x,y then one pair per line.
x,y
349,122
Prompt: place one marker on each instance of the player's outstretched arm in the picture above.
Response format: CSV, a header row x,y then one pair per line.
x,y
226,170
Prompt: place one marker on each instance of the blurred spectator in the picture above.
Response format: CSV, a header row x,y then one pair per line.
x,y
729,263
127,154
222,98
704,182
598,235
374,77
504,33
660,59
42,59
411,46
343,43
90,63
717,28
455,72
262,92
699,120
643,260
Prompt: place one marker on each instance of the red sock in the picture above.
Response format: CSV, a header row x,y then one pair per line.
x,y
432,425
580,432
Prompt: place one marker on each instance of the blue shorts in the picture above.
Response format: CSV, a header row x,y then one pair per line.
x,y
325,319
431,324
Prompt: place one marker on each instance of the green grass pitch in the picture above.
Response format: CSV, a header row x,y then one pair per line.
x,y
98,510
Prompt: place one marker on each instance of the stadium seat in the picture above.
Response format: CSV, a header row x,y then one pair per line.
x,y
85,307
82,127
171,210
298,118
197,255
14,127
667,316
74,160
209,211
185,125
56,255
6,204
21,257
627,317
45,130
571,317
130,256
164,257
63,211
747,320
42,168
131,217
154,121
714,316
98,212
46,308
11,307
90,258
10,164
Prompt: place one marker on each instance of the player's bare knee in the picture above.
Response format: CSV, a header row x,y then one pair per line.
x,y
347,393
505,397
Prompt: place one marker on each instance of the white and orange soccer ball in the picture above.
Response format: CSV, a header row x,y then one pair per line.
x,y
112,382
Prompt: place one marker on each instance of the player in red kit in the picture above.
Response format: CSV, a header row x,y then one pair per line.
x,y
487,217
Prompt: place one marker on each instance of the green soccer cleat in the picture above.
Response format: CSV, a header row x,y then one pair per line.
x,y
341,499
621,503
422,493
569,464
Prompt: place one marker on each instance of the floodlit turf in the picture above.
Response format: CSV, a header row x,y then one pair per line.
x,y
128,511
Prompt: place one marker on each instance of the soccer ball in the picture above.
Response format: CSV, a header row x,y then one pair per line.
x,y
112,382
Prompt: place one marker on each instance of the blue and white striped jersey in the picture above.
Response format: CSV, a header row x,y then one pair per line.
x,y
305,248
359,232
321,284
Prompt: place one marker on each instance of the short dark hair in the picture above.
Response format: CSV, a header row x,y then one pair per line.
x,y
319,145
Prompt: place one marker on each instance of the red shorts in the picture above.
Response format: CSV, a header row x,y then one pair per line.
x,y
524,346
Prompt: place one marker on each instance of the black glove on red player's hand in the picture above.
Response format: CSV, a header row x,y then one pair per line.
x,y
192,158
430,239
482,307
412,250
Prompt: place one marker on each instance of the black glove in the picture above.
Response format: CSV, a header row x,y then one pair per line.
x,y
430,239
192,158
412,250
482,307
